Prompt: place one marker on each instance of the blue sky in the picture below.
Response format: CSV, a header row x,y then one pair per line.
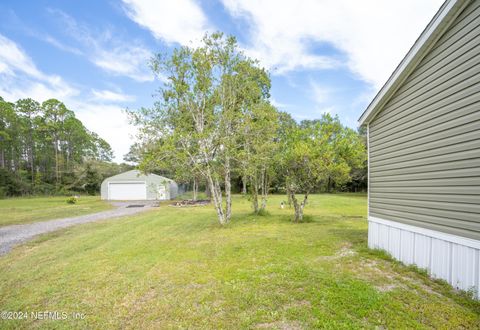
x,y
323,56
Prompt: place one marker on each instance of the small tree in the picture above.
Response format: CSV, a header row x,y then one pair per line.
x,y
257,157
316,151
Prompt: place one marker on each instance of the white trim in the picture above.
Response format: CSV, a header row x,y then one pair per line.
x,y
444,17
428,232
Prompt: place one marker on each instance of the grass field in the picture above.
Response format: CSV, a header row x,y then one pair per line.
x,y
176,268
16,211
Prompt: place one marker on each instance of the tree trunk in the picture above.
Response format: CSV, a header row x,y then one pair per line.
x,y
2,158
298,207
254,189
31,151
244,185
298,215
228,191
32,165
264,191
217,198
255,198
289,195
195,188
55,145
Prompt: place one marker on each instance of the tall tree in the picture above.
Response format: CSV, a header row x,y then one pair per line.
x,y
28,109
201,110
41,145
8,132
55,115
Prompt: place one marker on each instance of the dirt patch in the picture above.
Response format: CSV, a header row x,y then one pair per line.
x,y
375,271
298,304
281,325
344,252
386,287
190,202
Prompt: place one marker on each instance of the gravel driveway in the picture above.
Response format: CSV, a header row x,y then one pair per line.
x,y
16,234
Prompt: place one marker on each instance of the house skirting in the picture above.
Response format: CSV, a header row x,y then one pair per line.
x,y
452,258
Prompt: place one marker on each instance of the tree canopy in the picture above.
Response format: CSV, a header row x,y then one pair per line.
x,y
213,121
211,94
44,148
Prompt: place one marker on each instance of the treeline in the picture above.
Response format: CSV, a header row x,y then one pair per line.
x,y
214,125
45,149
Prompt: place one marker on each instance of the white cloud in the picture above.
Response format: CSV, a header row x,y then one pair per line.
x,y
125,61
374,35
279,105
12,59
318,93
110,122
322,99
20,78
106,95
54,42
108,51
179,21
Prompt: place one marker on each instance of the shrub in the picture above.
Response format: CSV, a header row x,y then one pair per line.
x,y
263,213
72,200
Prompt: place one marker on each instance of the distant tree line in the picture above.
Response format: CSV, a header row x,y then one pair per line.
x,y
213,125
45,149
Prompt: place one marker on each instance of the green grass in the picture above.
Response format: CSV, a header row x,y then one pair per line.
x,y
176,268
15,211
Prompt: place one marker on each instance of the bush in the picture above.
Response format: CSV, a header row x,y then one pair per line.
x,y
72,200
11,184
43,188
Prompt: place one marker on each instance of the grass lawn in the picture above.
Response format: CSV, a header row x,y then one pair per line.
x,y
176,268
16,211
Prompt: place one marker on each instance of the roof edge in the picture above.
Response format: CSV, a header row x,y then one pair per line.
x,y
449,10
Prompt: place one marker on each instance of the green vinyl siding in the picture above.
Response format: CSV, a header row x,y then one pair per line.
x,y
424,145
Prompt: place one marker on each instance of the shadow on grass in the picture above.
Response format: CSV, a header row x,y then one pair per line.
x,y
357,237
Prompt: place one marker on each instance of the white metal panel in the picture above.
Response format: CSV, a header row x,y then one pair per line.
x,y
440,262
383,237
373,235
394,242
452,261
464,267
127,191
407,244
422,254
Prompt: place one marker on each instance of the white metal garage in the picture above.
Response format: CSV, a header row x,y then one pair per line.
x,y
135,185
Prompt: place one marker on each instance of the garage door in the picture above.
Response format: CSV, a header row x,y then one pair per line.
x,y
127,191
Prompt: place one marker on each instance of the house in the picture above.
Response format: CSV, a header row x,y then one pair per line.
x,y
134,185
423,131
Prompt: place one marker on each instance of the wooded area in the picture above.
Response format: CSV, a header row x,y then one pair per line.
x,y
45,149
